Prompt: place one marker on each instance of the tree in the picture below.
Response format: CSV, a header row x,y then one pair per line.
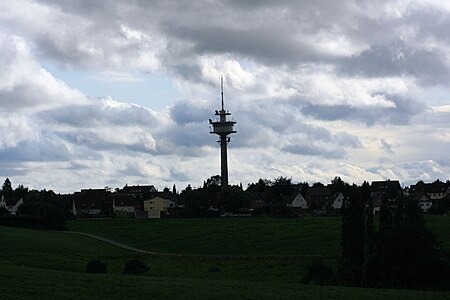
x,y
7,187
352,237
282,186
403,249
234,199
21,191
174,189
408,256
4,211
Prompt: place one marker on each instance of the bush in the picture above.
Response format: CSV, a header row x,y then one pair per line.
x,y
318,272
214,269
4,211
96,266
135,267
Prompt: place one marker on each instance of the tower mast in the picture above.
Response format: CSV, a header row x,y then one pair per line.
x,y
223,128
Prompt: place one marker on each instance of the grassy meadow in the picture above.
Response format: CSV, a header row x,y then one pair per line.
x,y
223,236
36,264
308,236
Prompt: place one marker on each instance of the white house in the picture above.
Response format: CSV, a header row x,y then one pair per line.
x,y
424,201
170,203
336,201
13,204
2,201
299,202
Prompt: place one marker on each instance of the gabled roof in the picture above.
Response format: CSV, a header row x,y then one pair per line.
x,y
420,196
87,200
385,185
166,195
140,189
12,201
435,187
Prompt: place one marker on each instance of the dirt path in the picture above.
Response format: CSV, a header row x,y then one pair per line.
x,y
200,257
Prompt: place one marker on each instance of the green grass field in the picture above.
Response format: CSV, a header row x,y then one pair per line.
x,y
236,236
224,236
37,264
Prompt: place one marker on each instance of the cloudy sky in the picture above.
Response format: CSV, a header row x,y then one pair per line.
x,y
104,93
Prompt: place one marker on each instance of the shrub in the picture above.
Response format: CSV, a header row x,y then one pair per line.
x,y
135,267
96,266
214,269
318,272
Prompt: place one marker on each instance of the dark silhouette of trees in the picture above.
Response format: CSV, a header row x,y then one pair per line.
x,y
21,191
406,254
233,199
353,236
174,189
43,206
7,188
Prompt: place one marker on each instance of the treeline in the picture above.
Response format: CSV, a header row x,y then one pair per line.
x,y
38,209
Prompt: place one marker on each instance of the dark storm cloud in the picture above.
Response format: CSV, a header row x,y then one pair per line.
x,y
396,60
263,45
402,113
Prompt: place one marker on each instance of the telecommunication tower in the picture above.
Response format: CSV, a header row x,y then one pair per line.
x,y
223,127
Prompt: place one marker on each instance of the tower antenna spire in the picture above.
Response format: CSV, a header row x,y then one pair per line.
x,y
223,128
221,89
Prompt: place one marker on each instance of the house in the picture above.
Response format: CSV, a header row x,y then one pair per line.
x,y
391,188
124,204
335,201
299,202
141,191
2,200
10,203
317,196
169,203
423,200
436,190
156,207
377,199
91,202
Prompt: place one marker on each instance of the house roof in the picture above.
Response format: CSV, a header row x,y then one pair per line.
x,y
87,200
385,185
139,189
420,196
12,200
123,200
167,195
435,187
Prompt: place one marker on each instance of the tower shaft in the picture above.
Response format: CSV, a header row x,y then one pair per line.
x,y
224,160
